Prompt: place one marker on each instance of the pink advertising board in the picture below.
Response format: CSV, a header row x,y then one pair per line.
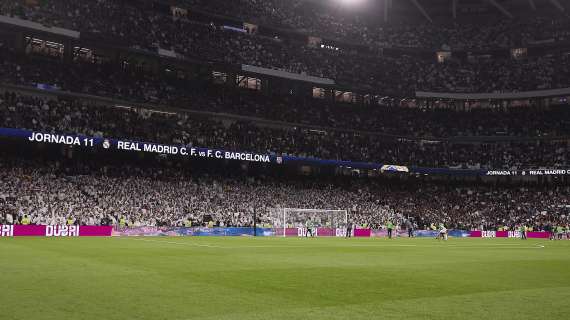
x,y
508,234
362,233
54,231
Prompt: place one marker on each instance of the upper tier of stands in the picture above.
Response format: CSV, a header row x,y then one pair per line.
x,y
363,65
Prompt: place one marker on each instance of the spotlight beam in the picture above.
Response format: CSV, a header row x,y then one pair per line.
x,y
532,4
557,4
422,10
500,8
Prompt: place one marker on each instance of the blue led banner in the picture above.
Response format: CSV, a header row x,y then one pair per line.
x,y
127,145
207,153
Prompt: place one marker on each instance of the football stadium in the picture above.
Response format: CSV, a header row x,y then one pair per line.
x,y
284,159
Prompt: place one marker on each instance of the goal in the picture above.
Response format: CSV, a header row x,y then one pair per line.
x,y
296,218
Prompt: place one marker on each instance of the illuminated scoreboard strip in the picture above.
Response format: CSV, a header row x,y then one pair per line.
x,y
125,145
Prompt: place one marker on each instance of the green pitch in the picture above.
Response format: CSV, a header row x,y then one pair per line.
x,y
277,278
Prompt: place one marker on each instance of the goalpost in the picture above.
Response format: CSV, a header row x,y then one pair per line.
x,y
287,218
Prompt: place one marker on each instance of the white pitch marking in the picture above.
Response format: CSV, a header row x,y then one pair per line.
x,y
514,246
268,246
497,246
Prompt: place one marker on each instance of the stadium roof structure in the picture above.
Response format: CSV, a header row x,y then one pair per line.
x,y
438,10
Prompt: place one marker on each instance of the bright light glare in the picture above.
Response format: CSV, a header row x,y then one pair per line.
x,y
351,3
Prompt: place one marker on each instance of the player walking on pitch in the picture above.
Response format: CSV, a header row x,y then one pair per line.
x,y
410,228
309,229
559,231
348,230
522,231
389,227
442,232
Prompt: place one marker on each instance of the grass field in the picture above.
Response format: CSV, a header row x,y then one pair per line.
x,y
277,278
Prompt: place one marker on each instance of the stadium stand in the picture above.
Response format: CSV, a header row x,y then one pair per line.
x,y
52,192
76,117
398,75
128,88
284,159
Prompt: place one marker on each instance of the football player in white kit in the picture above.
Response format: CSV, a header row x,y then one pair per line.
x,y
442,232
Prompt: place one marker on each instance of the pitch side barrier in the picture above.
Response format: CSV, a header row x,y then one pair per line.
x,y
271,232
55,231
319,232
231,231
508,234
123,145
107,231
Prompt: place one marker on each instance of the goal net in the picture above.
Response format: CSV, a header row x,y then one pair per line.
x,y
329,221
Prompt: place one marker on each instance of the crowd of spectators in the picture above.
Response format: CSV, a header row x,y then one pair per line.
x,y
53,193
139,124
493,31
390,118
119,18
528,137
401,75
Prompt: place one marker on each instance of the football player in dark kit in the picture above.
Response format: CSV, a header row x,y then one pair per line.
x,y
389,227
348,230
410,227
